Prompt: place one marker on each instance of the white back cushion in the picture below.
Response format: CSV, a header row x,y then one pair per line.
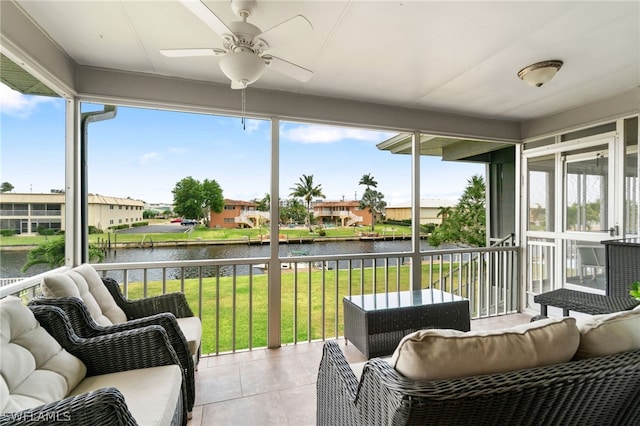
x,y
99,291
35,370
443,354
85,283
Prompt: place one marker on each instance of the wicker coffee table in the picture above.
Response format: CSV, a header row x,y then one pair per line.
x,y
375,324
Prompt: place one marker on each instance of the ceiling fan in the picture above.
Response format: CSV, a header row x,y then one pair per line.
x,y
243,56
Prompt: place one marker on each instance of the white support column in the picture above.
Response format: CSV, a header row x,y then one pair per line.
x,y
416,260
72,207
274,310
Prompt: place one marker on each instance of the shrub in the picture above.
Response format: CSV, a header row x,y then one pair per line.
x,y
7,232
94,230
45,231
134,225
116,227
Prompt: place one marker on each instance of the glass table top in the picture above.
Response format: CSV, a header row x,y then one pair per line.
x,y
401,299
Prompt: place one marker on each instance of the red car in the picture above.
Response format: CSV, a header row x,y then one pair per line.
x,y
176,220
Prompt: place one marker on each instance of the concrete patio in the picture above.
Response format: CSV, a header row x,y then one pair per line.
x,y
276,386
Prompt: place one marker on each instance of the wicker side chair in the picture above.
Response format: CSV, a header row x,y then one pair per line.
x,y
594,391
85,326
175,303
134,349
106,310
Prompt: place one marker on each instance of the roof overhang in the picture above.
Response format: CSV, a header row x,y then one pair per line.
x,y
449,149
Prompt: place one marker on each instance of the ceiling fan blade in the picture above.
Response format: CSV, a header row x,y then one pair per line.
x,y
288,68
285,31
208,17
181,53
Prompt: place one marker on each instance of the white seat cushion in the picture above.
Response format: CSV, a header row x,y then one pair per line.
x,y
150,393
34,368
609,334
192,329
444,354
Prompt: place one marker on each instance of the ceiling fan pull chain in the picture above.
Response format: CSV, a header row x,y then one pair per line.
x,y
244,124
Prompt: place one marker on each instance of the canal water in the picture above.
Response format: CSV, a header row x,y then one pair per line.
x,y
12,261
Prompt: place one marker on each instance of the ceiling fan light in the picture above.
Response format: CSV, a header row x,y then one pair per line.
x,y
539,73
242,67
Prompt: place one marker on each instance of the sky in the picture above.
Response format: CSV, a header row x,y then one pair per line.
x,y
143,153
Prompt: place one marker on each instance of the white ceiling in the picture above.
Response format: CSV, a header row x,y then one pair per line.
x,y
452,56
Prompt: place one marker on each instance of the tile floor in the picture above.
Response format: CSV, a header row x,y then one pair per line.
x,y
276,386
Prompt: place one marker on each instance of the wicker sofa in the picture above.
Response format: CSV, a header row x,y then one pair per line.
x,y
591,391
52,376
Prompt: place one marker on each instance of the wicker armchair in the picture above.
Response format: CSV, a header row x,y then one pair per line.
x,y
106,310
133,349
175,303
84,326
594,391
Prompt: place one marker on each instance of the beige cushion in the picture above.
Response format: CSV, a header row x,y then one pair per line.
x,y
191,327
442,354
151,394
84,282
34,368
609,334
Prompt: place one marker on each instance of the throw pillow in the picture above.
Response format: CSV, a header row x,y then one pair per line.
x,y
609,334
444,354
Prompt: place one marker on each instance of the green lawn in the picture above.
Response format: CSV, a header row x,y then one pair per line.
x,y
207,234
239,295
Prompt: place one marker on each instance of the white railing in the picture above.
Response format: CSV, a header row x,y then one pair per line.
x,y
231,295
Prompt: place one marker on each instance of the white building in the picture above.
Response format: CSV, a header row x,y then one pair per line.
x,y
429,210
26,213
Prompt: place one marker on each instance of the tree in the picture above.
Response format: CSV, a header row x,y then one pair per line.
x,y
195,200
293,212
264,205
371,199
6,187
213,199
374,201
368,181
466,223
52,253
307,190
444,213
149,214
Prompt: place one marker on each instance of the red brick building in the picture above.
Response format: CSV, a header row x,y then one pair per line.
x,y
238,214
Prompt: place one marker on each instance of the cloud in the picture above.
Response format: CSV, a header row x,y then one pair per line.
x,y
145,158
314,133
252,125
177,150
15,104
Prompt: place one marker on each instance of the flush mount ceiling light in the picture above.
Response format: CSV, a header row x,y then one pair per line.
x,y
539,73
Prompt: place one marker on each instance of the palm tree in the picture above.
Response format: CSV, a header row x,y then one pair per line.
x,y
371,199
306,190
368,181
444,212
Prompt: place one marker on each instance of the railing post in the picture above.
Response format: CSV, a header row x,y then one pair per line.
x,y
274,337
416,259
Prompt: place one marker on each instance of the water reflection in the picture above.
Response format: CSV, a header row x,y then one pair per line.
x,y
11,262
